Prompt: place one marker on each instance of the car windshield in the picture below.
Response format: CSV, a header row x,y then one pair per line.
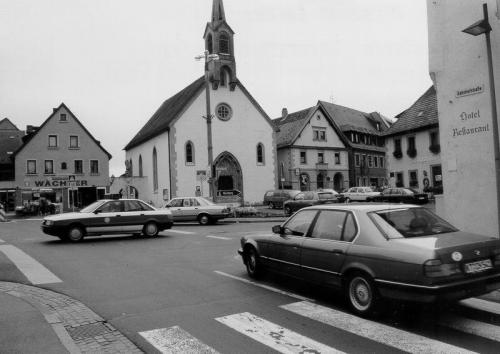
x,y
90,208
410,222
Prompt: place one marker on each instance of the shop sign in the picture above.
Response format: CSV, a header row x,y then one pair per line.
x,y
60,183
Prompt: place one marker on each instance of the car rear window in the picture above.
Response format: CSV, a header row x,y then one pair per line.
x,y
410,222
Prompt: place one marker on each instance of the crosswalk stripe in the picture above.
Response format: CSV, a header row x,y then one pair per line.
x,y
267,287
476,328
377,332
175,340
33,270
180,232
274,336
480,304
219,237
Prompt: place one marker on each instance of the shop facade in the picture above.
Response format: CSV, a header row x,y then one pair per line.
x,y
60,167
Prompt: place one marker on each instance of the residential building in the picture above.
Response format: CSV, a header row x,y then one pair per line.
x,y
312,151
62,162
330,146
413,155
10,141
172,148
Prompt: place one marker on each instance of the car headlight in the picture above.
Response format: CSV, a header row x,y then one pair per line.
x,y
48,222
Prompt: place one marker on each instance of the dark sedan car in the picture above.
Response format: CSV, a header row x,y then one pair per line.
x,y
305,199
109,217
402,195
374,252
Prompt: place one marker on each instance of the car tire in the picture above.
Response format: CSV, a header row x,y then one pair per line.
x,y
288,211
150,229
347,200
361,294
204,219
252,262
271,205
75,234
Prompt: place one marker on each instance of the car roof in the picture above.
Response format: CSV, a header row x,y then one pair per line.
x,y
368,207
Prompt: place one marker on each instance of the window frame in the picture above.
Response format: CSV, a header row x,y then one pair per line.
x,y
34,164
74,167
56,137
260,154
77,142
45,171
90,167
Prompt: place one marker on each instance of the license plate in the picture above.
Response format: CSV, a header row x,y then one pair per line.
x,y
478,266
421,198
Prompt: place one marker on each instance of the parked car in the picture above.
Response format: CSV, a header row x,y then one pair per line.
x,y
339,196
106,217
374,252
308,198
197,209
402,195
276,198
359,194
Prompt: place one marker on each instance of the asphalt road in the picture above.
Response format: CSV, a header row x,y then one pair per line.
x,y
189,282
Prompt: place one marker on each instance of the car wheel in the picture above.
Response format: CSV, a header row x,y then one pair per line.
x,y
271,205
150,229
288,211
75,234
361,294
204,219
252,263
347,200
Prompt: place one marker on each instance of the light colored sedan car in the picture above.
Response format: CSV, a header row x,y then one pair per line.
x,y
359,194
375,251
197,209
106,217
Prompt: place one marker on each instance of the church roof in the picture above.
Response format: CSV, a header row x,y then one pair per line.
x,y
422,114
166,114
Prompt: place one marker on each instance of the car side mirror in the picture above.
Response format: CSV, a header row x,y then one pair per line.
x,y
277,229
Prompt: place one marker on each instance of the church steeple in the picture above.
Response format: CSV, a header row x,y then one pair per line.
x,y
219,40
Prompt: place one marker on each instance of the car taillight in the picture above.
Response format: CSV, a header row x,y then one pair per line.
x,y
496,257
434,268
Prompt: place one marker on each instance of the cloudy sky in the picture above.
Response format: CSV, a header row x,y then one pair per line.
x,y
113,62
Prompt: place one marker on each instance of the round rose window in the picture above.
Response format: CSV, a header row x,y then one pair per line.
x,y
223,111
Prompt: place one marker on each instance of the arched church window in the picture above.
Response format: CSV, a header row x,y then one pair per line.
x,y
260,154
140,166
210,44
224,43
189,153
223,111
155,170
225,76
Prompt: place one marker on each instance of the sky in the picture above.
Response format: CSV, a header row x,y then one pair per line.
x,y
114,62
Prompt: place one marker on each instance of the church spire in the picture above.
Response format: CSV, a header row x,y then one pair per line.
x,y
218,11
219,40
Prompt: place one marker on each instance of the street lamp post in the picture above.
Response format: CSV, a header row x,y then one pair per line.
x,y
477,28
209,57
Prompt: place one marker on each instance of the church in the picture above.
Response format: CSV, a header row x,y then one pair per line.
x,y
210,139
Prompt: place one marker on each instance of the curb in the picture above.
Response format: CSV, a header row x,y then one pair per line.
x,y
78,328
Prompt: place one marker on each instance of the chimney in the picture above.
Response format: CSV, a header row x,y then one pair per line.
x,y
284,113
30,129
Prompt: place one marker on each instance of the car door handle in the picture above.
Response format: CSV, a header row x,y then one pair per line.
x,y
337,251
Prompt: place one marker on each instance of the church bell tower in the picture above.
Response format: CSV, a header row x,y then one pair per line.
x,y
219,40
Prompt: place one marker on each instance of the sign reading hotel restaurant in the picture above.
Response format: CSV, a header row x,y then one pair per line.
x,y
469,91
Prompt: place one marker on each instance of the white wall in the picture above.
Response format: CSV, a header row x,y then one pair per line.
x,y
458,62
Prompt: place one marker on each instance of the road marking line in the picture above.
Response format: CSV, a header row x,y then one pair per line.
x,y
180,232
175,340
375,331
219,237
476,328
274,336
282,292
33,270
483,305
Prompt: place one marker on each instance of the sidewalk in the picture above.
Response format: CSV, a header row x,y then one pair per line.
x,y
35,320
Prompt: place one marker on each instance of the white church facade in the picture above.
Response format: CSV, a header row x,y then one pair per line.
x,y
170,156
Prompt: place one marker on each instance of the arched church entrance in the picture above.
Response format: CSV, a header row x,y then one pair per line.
x,y
228,186
338,182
